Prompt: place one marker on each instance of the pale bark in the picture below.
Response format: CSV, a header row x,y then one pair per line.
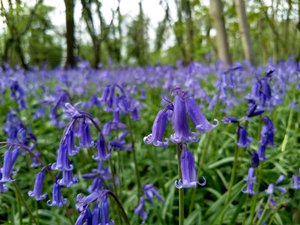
x,y
244,30
216,12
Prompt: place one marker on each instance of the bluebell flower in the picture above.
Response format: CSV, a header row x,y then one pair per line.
x,y
85,217
262,152
188,171
252,106
96,214
134,114
229,119
57,199
68,179
85,140
72,111
251,180
105,211
72,149
102,155
196,116
272,187
8,164
244,139
158,130
150,191
83,202
180,123
96,185
140,210
35,162
295,182
3,187
271,190
38,186
62,161
267,132
254,160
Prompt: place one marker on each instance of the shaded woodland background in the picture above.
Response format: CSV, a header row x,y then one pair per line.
x,y
255,30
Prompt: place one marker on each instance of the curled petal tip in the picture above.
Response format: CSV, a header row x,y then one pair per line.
x,y
178,184
203,183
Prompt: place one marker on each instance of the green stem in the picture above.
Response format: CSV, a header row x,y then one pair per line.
x,y
254,200
19,206
181,190
24,203
246,208
134,158
232,179
124,215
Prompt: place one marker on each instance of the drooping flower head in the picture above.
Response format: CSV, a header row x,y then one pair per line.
x,y
57,199
251,180
158,130
244,139
38,186
188,171
197,117
179,120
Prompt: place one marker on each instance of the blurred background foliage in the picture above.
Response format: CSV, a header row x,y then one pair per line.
x,y
28,36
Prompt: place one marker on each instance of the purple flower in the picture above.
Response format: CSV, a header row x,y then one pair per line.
x,y
252,109
85,136
85,217
229,119
72,149
38,186
272,187
150,191
57,199
83,202
158,130
140,210
295,184
180,122
101,153
3,187
67,179
267,132
254,160
62,161
196,116
105,211
262,152
244,140
35,162
9,159
250,182
188,171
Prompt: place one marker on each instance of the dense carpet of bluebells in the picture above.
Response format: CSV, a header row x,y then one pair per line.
x,y
196,144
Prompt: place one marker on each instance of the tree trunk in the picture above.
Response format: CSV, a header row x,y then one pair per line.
x,y
244,30
216,11
70,25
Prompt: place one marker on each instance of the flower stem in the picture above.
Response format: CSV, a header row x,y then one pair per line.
x,y
139,187
124,215
181,190
24,203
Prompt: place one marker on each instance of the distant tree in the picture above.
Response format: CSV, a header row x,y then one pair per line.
x,y
216,11
18,23
244,30
137,45
70,37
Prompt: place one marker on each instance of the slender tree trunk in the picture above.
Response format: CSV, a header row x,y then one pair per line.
x,y
244,30
216,11
298,27
70,38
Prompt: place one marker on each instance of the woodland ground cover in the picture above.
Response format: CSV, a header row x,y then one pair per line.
x,y
82,135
